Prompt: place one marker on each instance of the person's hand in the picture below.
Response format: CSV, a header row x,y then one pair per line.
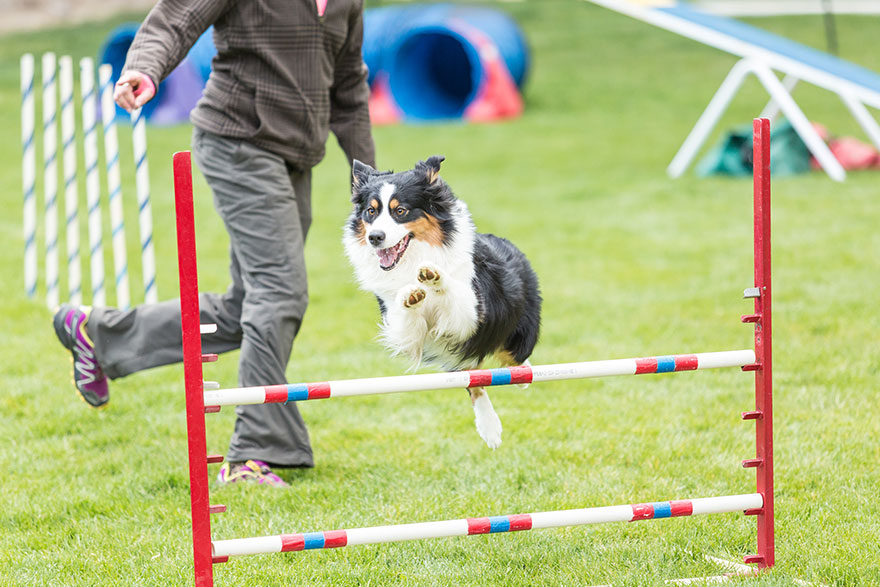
x,y
133,90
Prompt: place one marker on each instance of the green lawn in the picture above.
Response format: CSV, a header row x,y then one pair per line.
x,y
631,263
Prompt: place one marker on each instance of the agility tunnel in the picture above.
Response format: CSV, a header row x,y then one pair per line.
x,y
444,61
427,62
205,397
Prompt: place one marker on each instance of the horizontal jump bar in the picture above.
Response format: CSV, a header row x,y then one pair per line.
x,y
490,525
474,378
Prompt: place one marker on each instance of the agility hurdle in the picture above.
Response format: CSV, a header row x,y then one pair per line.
x,y
61,69
204,397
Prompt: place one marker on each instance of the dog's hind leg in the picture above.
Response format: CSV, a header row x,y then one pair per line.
x,y
487,421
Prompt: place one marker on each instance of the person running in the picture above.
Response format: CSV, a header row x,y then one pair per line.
x,y
286,73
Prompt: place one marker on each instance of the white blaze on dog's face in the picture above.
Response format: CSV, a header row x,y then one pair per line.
x,y
394,209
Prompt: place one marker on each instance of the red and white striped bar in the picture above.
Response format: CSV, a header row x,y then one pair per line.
x,y
490,525
475,378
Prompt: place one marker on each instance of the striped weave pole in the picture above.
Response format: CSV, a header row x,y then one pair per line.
x,y
28,174
71,194
491,525
145,216
114,187
93,182
475,378
50,177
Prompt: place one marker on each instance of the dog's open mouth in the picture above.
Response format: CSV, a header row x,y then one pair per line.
x,y
389,257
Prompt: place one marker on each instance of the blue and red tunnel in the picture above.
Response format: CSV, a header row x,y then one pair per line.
x,y
427,62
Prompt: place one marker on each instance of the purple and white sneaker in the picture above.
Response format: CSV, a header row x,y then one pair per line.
x,y
252,470
89,379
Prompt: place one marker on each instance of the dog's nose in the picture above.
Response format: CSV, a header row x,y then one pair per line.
x,y
377,237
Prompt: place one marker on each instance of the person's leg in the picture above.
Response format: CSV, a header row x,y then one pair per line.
x,y
255,196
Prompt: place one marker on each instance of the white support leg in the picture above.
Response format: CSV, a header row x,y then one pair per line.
x,y
799,121
708,119
779,97
771,110
863,117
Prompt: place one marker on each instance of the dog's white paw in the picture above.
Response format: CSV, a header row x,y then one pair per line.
x,y
415,297
487,421
430,276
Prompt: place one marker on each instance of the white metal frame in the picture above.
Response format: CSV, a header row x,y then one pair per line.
x,y
763,63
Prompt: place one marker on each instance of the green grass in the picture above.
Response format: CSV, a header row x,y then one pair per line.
x,y
631,263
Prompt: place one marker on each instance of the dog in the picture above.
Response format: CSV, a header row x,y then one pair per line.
x,y
449,296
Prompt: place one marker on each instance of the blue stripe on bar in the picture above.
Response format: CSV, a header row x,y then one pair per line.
x,y
147,242
313,540
28,143
665,364
500,376
143,204
297,392
499,524
118,228
28,91
121,275
141,161
662,509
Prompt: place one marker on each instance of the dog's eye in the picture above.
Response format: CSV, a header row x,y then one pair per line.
x,y
371,212
400,211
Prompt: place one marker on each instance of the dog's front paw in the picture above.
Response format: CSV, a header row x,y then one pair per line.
x,y
415,297
430,276
487,421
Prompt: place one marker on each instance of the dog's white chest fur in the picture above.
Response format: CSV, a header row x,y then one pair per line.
x,y
430,304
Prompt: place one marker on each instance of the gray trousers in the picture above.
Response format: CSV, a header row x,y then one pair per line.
x,y
266,207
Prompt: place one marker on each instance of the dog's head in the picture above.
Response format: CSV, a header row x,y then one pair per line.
x,y
393,209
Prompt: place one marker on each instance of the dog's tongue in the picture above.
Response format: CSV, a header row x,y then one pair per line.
x,y
387,257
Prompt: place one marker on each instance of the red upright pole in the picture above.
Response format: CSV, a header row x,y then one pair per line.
x,y
763,414
192,367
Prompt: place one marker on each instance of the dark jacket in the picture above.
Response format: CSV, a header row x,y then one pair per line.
x,y
282,79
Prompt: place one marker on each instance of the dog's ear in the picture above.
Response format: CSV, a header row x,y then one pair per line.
x,y
360,172
431,167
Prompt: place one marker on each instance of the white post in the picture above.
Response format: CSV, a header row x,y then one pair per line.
x,y
71,193
799,121
28,174
863,117
50,178
93,185
114,187
708,119
145,216
771,110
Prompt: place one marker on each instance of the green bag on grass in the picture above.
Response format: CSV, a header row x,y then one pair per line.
x,y
733,155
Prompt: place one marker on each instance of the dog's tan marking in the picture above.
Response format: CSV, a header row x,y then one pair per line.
x,y
433,175
394,203
375,203
427,229
361,232
475,392
506,359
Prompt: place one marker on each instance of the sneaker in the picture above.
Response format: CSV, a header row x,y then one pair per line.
x,y
89,379
252,470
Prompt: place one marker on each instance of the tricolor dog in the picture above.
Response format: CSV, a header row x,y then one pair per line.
x,y
449,296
